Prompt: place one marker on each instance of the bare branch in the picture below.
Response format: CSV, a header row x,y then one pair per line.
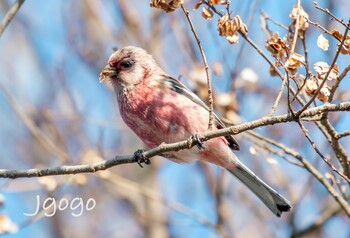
x,y
279,96
341,21
263,142
313,144
319,26
210,91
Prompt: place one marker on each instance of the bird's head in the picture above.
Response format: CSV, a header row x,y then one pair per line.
x,y
128,66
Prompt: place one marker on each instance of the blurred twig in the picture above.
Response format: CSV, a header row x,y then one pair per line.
x,y
263,142
36,132
10,15
151,194
267,17
319,221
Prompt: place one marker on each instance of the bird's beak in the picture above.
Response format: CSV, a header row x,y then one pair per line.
x,y
107,72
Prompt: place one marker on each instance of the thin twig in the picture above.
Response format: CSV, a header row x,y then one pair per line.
x,y
341,21
36,132
279,96
306,53
301,101
307,66
240,53
267,17
342,134
296,32
319,26
263,142
210,92
337,82
213,8
151,194
313,144
10,15
328,73
290,109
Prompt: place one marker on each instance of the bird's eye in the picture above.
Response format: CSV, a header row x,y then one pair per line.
x,y
126,64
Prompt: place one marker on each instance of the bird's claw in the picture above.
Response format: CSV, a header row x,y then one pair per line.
x,y
140,158
198,141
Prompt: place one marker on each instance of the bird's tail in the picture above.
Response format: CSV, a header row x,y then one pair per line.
x,y
274,201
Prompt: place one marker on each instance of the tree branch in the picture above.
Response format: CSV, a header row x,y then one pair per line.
x,y
162,148
337,148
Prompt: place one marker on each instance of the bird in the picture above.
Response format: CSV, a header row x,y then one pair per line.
x,y
160,109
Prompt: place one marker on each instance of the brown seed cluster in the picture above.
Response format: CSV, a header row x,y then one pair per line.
x,y
216,2
322,68
303,17
312,84
207,14
277,46
211,3
346,47
280,50
166,5
294,61
229,27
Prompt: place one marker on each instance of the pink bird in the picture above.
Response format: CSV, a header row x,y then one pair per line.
x,y
159,108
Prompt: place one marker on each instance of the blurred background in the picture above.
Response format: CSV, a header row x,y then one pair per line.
x,y
54,111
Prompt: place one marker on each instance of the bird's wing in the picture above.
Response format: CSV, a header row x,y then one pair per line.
x,y
179,87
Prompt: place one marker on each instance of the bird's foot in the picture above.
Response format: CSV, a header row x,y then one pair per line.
x,y
195,138
140,158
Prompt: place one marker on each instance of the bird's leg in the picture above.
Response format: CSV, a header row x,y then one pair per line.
x,y
196,139
140,158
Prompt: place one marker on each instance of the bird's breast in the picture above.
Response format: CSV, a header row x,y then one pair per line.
x,y
158,116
